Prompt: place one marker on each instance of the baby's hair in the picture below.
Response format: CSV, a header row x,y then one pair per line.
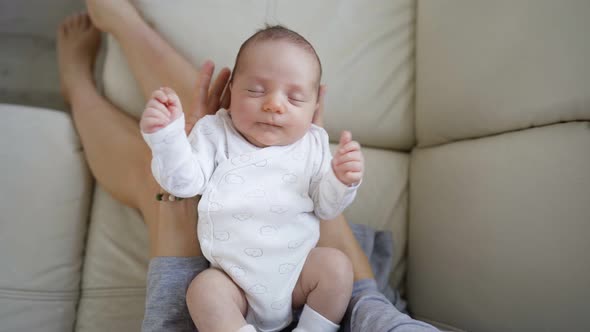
x,y
274,33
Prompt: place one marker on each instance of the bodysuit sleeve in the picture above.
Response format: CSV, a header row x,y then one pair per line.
x,y
329,195
180,166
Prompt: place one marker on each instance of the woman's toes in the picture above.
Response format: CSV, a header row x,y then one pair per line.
x,y
65,27
68,23
79,19
77,45
86,21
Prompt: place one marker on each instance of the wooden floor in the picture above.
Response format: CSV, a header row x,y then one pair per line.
x,y
28,65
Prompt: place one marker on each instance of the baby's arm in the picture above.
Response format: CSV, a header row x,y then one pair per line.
x,y
176,166
334,185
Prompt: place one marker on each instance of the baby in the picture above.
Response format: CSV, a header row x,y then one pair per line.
x,y
266,176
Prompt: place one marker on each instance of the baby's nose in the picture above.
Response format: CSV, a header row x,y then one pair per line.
x,y
273,105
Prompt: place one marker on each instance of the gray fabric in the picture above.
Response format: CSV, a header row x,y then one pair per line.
x,y
167,281
369,309
378,246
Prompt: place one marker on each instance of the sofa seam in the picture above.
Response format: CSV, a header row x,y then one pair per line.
x,y
498,133
113,292
22,294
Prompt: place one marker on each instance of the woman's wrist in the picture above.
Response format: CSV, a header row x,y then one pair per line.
x,y
164,196
177,229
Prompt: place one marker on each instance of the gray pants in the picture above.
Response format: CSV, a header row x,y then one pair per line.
x,y
169,277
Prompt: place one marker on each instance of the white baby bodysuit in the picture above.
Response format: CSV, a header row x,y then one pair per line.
x,y
258,215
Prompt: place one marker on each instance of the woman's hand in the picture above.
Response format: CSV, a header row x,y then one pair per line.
x,y
318,116
209,98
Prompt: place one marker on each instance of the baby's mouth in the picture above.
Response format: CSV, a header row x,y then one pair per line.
x,y
269,124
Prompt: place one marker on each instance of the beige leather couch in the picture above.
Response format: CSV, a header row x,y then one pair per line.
x,y
474,117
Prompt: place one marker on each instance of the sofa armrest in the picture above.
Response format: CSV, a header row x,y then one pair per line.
x,y
45,195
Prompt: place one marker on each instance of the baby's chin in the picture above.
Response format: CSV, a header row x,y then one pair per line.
x,y
267,140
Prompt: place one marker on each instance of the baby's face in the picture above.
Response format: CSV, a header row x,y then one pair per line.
x,y
274,94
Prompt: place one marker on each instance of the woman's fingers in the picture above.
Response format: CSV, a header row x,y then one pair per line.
x,y
226,98
199,105
216,92
203,83
318,116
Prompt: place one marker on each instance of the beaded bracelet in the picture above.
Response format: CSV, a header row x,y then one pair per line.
x,y
167,197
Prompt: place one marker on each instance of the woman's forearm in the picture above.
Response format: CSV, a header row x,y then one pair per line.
x,y
176,234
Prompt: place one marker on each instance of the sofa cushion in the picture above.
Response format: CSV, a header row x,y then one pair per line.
x,y
46,191
488,67
367,53
498,234
114,277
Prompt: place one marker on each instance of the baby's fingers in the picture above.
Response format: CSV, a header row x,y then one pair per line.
x,y
349,156
350,146
160,95
172,96
350,166
352,177
151,124
152,113
345,138
155,106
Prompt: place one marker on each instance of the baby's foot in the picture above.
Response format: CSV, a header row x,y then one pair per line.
x,y
108,15
77,45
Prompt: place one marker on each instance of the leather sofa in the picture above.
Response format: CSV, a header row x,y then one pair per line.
x,y
474,117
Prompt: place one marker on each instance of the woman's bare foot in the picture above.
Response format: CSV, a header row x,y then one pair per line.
x,y
77,45
108,14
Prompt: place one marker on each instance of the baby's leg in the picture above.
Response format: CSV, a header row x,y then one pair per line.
x,y
325,286
216,303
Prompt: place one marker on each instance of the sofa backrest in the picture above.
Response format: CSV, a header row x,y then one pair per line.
x,y
486,68
367,54
500,182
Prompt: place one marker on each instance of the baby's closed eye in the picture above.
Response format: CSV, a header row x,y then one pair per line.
x,y
297,101
255,92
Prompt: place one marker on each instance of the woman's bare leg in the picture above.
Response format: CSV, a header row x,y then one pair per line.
x,y
112,146
114,149
337,234
154,63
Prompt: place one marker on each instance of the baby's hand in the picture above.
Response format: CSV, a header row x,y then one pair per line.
x,y
348,162
162,108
